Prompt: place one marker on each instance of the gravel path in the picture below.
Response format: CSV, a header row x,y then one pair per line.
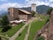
x,y
28,31
4,36
18,32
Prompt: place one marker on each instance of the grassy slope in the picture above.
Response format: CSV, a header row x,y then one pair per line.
x,y
13,30
22,36
36,25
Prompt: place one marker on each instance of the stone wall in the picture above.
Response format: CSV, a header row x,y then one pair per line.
x,y
50,34
12,13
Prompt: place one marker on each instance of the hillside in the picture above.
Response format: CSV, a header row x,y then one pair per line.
x,y
42,9
37,23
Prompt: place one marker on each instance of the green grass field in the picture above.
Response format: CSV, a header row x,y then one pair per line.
x,y
35,26
22,36
12,31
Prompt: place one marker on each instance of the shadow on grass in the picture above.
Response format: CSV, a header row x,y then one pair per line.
x,y
20,34
0,38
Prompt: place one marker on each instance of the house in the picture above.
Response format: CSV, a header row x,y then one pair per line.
x,y
21,13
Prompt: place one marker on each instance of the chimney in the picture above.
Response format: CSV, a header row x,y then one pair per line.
x,y
33,7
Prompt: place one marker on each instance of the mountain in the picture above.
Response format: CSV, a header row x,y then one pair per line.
x,y
26,8
42,9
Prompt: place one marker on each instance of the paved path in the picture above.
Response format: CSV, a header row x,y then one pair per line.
x,y
21,29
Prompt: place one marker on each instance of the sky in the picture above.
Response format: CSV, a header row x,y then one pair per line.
x,y
5,4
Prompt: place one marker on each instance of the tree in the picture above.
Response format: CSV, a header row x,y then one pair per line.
x,y
49,11
33,13
5,23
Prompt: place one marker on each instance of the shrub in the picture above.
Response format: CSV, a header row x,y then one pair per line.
x,y
6,28
40,38
49,11
20,34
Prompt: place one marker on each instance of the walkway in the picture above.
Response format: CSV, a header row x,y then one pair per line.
x,y
21,29
4,37
28,31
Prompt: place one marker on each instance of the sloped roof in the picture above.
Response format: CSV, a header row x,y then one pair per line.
x,y
25,11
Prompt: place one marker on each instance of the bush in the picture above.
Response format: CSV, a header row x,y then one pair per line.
x,y
49,11
20,34
6,28
40,38
33,13
47,21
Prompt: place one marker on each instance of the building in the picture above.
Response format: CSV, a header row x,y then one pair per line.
x,y
15,14
20,13
33,7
